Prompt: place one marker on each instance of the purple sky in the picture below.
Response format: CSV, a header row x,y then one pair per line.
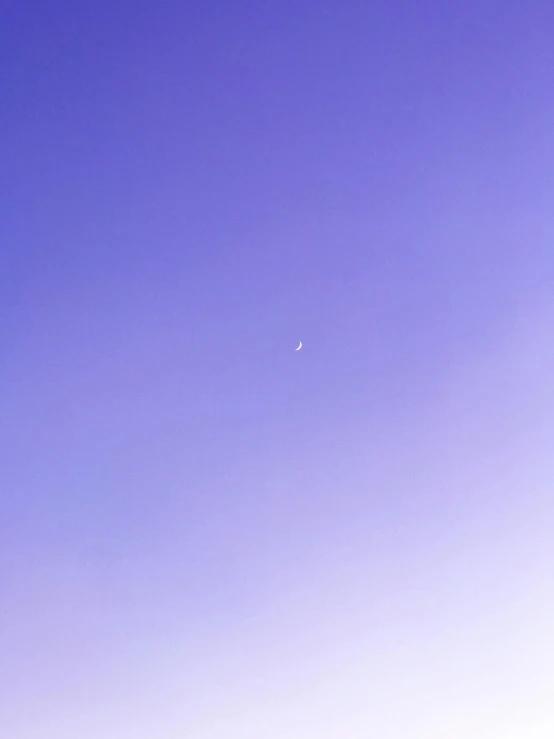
x,y
204,533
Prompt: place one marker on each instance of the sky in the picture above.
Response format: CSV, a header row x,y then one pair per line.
x,y
203,532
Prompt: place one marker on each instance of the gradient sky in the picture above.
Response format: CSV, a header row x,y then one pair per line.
x,y
203,533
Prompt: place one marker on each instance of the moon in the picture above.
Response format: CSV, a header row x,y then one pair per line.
x,y
298,347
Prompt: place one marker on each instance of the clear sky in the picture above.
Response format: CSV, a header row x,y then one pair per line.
x,y
203,533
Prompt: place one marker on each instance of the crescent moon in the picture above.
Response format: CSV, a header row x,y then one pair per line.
x,y
298,347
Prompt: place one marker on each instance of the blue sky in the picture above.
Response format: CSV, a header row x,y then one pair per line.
x,y
204,533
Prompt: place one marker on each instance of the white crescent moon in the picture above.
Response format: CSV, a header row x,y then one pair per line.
x,y
298,347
